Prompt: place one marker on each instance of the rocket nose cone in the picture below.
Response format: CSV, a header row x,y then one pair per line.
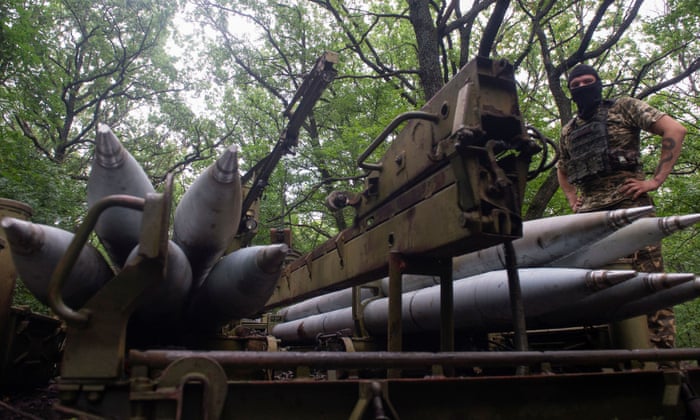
x,y
660,281
673,224
24,237
602,279
623,217
270,258
226,168
109,152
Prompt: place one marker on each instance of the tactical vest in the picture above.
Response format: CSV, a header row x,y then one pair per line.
x,y
589,150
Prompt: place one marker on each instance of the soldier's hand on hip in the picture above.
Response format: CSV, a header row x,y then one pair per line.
x,y
633,188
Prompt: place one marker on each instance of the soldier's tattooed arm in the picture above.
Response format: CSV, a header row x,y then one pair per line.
x,y
668,158
672,133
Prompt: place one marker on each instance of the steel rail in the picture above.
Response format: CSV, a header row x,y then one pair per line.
x,y
249,359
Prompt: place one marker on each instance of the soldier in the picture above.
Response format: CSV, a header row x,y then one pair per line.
x,y
600,166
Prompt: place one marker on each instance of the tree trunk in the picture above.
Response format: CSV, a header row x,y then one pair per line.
x,y
539,202
427,43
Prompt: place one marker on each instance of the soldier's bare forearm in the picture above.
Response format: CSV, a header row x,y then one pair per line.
x,y
667,160
672,134
569,190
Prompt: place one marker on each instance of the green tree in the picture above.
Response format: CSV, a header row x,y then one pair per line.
x,y
259,77
66,65
409,49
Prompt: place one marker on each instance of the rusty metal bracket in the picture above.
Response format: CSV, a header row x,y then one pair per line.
x,y
96,335
358,309
195,370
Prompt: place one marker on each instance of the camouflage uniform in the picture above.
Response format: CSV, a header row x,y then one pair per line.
x,y
626,118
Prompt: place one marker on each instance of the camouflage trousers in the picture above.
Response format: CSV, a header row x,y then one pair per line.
x,y
662,323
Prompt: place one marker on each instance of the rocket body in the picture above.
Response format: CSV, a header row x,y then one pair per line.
x,y
662,299
165,302
208,214
481,303
627,240
238,286
547,239
115,171
36,251
324,303
343,298
602,306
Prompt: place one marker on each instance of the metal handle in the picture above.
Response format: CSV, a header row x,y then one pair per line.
x,y
412,115
68,260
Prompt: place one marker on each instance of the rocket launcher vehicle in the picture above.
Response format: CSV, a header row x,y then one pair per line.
x,y
239,284
559,257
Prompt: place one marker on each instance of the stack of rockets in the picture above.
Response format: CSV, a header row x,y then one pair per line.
x,y
203,288
561,263
564,282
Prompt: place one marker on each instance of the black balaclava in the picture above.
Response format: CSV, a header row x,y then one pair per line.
x,y
586,97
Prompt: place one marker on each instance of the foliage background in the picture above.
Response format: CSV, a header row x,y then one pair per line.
x,y
178,81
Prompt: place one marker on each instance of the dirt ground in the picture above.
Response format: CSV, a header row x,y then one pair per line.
x,y
25,404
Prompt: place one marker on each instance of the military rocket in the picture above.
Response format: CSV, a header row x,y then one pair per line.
x,y
343,298
412,282
208,214
237,286
663,299
543,240
328,302
549,238
36,251
115,171
602,306
481,303
624,242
